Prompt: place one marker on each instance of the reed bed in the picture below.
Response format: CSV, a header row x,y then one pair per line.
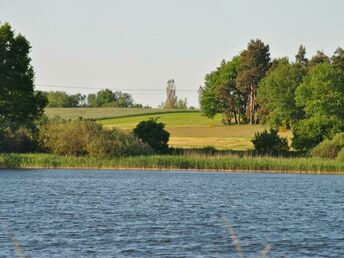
x,y
177,162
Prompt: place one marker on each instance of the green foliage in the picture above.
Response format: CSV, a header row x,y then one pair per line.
x,y
195,162
62,99
276,95
270,143
310,132
20,140
107,98
20,105
329,148
338,59
319,58
340,156
68,137
115,142
254,63
153,133
220,94
86,137
321,95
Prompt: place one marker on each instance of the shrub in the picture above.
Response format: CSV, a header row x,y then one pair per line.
x,y
68,137
340,156
20,140
308,133
326,149
115,142
270,143
86,137
329,148
153,133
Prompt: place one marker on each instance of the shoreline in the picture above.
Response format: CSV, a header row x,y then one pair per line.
x,y
132,169
194,163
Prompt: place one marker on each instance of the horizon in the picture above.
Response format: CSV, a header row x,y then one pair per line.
x,y
137,47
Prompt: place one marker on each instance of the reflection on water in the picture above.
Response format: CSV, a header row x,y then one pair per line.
x,y
61,213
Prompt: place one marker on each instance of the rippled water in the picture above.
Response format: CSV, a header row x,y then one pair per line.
x,y
61,213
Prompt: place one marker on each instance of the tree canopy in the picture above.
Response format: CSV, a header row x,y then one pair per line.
x,y
20,104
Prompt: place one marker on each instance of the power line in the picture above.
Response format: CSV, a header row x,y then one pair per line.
x,y
114,89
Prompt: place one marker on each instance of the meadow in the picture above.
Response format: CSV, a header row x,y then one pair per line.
x,y
188,129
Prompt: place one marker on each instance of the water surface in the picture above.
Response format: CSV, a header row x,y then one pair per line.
x,y
60,213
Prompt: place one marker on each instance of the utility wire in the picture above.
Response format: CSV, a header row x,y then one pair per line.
x,y
114,89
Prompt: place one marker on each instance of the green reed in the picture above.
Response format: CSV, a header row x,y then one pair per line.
x,y
170,162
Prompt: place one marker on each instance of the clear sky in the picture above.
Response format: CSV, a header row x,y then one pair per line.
x,y
140,44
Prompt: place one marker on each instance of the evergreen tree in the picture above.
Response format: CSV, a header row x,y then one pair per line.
x,y
254,63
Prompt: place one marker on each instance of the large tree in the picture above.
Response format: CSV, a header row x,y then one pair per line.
x,y
254,63
321,95
20,104
220,94
276,95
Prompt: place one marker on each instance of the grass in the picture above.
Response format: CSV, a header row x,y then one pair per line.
x,y
188,129
102,113
178,162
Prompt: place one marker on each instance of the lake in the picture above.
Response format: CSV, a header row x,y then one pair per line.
x,y
61,213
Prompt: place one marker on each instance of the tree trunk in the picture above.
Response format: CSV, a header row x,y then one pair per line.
x,y
251,105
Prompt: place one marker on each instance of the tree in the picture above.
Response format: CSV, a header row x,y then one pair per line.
x,y
153,133
270,143
107,98
20,104
276,95
319,58
254,63
220,94
301,62
300,57
338,59
62,99
181,104
321,95
171,100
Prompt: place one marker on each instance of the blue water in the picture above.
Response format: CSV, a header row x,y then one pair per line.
x,y
59,213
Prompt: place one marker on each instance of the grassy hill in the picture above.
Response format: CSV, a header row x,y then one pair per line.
x,y
101,113
188,129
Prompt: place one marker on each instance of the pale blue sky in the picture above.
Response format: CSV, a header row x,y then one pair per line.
x,y
140,44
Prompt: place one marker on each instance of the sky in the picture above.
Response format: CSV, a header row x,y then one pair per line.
x,y
136,46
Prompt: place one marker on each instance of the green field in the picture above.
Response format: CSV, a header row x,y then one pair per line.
x,y
100,113
188,129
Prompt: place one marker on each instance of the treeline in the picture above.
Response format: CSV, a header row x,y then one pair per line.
x,y
103,98
305,95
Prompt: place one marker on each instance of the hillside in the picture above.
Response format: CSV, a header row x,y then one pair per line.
x,y
188,129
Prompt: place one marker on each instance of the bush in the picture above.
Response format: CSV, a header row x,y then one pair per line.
x,y
308,133
68,137
326,149
86,137
340,156
112,143
270,143
21,140
154,134
329,148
